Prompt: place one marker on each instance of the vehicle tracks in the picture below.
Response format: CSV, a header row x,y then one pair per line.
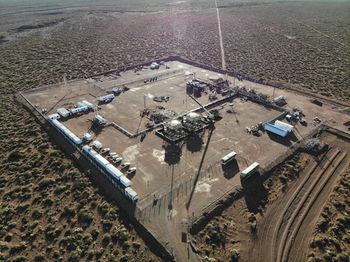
x,y
297,210
281,225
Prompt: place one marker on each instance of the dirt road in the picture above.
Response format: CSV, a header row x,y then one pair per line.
x,y
285,230
223,61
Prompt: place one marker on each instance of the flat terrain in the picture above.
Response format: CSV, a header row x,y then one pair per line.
x,y
153,175
171,185
304,45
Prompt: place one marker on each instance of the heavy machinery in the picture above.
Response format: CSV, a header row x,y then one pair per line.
x,y
213,115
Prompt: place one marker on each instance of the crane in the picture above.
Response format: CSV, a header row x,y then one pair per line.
x,y
211,116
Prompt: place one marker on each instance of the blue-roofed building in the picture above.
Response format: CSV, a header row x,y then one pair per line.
x,y
276,130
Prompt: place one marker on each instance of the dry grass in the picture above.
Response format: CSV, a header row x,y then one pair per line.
x,y
305,45
50,210
332,239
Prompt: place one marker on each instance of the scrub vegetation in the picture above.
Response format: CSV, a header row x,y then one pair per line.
x,y
332,240
49,210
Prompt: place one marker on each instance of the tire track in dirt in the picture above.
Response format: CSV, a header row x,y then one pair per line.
x,y
275,220
284,241
269,231
297,245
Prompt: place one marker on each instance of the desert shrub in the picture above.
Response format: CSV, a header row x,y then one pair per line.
x,y
68,212
39,258
215,236
22,207
51,232
283,179
60,189
94,233
72,241
87,238
75,255
90,254
125,245
106,239
6,213
103,208
327,257
323,225
8,237
85,217
343,257
47,202
78,185
107,225
46,182
19,259
43,146
120,234
37,214
318,242
339,206
136,245
15,156
14,250
234,255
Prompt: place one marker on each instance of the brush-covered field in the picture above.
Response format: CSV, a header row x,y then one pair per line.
x,y
49,210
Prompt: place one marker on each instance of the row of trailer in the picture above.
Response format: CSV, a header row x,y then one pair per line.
x,y
72,138
113,174
246,173
81,107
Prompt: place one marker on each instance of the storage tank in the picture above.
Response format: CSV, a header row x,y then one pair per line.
x,y
193,117
174,124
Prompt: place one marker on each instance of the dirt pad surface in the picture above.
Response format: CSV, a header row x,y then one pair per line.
x,y
299,44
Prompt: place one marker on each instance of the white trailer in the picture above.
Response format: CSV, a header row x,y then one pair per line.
x,y
125,181
246,173
228,158
131,194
